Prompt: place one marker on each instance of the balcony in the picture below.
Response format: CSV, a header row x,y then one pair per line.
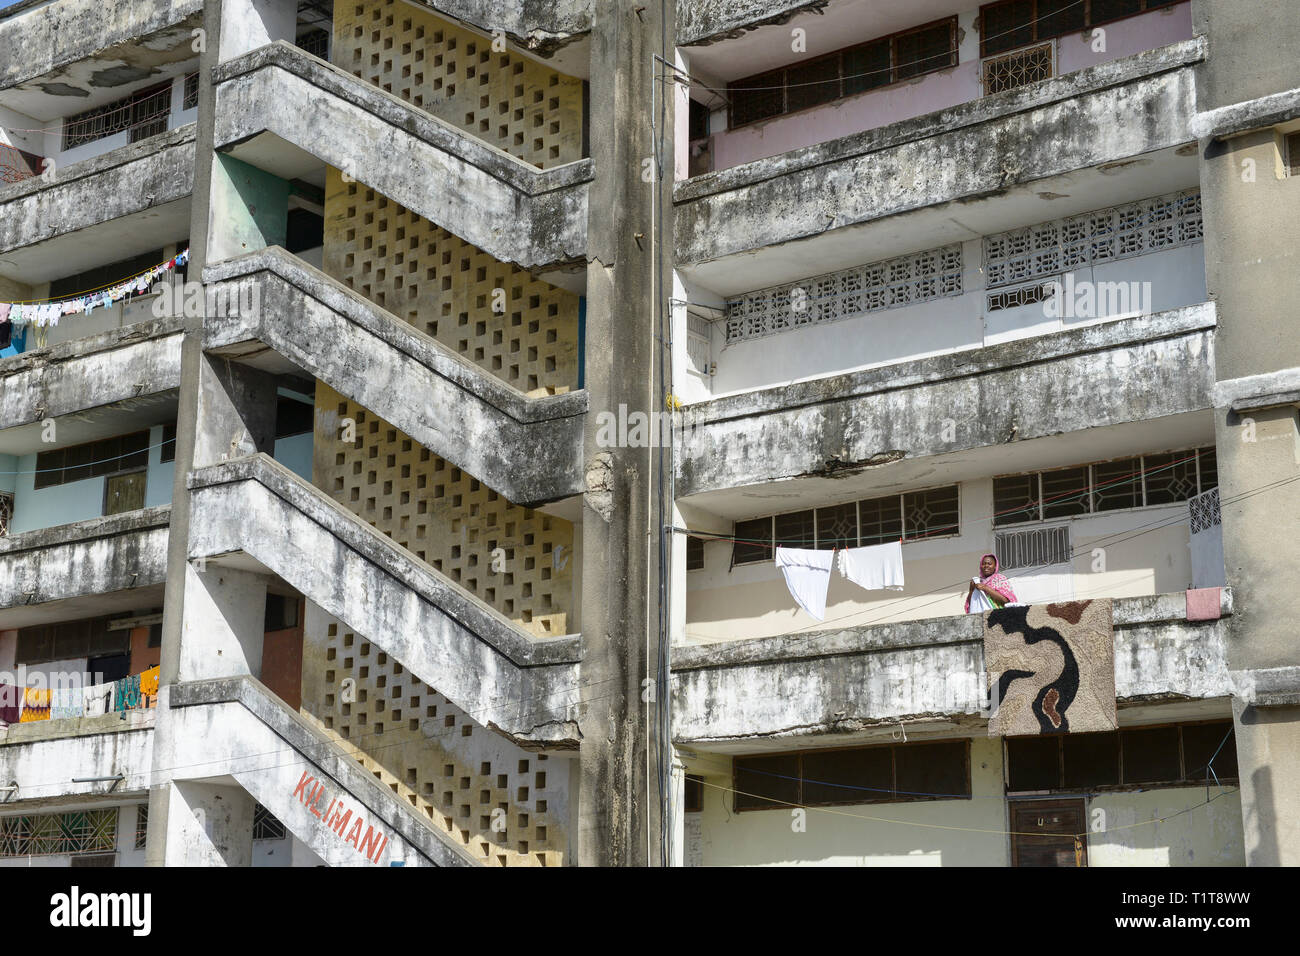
x,y
1005,149
849,680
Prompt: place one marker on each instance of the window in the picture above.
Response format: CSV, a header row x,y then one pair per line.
x,y
891,773
694,553
699,121
191,92
855,69
69,640
168,450
1170,755
1146,481
109,456
141,825
45,834
293,417
694,802
305,230
876,287
909,517
1016,23
266,826
1011,71
281,613
315,42
6,512
1292,158
143,114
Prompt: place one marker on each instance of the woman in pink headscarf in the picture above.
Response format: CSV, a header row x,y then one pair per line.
x,y
990,590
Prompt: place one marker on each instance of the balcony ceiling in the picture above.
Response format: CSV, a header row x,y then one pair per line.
x,y
108,75
94,423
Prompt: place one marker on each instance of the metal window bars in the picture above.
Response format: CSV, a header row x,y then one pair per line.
x,y
1013,70
6,513
142,114
47,834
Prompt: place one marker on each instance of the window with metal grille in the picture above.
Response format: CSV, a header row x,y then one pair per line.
x,y
143,114
191,92
698,344
1011,71
315,42
1146,481
1014,298
266,826
865,66
1170,755
907,280
1103,235
1014,23
694,553
141,825
45,834
109,456
1034,548
934,512
1293,154
6,513
893,773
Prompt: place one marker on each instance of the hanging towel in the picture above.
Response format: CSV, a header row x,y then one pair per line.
x,y
979,601
875,568
126,694
36,705
67,702
149,683
98,699
808,576
11,703
1203,604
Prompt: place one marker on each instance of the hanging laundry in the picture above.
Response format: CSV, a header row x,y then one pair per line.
x,y
126,694
877,567
98,699
66,703
149,683
808,576
36,705
6,332
11,703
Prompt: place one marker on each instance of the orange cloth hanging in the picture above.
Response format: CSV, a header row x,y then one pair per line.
x,y
36,705
149,682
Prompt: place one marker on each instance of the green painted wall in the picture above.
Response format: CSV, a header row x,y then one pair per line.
x,y
250,209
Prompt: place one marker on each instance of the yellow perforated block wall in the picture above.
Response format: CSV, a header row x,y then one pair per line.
x,y
509,101
507,806
526,333
446,517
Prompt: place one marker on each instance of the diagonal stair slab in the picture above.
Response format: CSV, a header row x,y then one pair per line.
x,y
504,206
236,727
529,450
506,680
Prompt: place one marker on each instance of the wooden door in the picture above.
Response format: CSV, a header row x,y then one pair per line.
x,y
124,493
1043,832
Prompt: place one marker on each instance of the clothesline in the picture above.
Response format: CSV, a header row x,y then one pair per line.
x,y
30,704
44,312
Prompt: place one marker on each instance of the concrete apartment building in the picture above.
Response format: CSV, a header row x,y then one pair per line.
x,y
499,344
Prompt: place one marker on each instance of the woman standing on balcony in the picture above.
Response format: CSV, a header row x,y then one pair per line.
x,y
990,590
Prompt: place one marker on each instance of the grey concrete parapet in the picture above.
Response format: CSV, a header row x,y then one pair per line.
x,y
43,757
700,22
91,372
1251,115
317,752
1256,392
118,183
840,681
529,450
35,38
970,151
487,197
468,651
97,556
1128,370
539,26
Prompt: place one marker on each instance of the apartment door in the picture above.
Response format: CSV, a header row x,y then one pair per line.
x,y
1043,833
124,493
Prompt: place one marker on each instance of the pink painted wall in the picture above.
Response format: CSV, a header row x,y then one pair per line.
x,y
936,91
1126,38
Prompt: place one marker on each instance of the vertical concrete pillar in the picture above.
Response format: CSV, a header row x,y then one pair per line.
x,y
677,822
208,825
629,234
222,632
1251,230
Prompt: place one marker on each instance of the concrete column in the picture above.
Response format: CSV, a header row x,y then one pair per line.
x,y
249,24
677,822
1251,230
222,632
630,224
209,825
